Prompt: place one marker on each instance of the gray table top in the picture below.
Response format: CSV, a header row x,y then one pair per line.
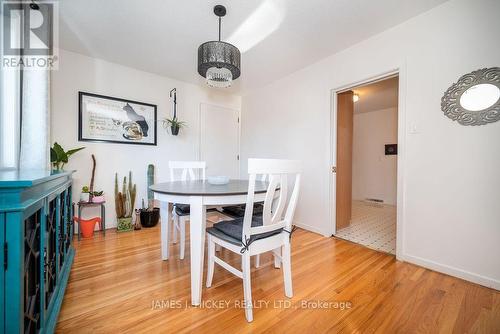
x,y
203,188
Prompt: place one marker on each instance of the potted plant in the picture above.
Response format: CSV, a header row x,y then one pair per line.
x,y
124,203
98,197
59,157
85,194
149,216
174,124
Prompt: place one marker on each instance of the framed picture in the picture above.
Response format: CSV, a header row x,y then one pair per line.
x,y
114,120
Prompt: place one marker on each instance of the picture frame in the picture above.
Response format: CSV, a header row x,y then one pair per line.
x,y
116,120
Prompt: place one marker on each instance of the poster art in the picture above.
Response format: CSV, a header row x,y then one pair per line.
x,y
109,119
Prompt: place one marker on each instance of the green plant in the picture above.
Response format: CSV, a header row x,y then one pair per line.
x,y
132,191
59,157
85,189
151,180
173,123
125,199
97,193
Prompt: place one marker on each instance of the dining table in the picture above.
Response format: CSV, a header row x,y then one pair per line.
x,y
199,194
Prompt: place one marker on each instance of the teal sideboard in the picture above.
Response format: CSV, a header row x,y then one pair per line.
x,y
36,234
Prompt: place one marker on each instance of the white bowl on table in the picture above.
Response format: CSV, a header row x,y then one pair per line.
x,y
218,180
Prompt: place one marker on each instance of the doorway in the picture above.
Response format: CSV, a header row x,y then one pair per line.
x,y
220,140
366,164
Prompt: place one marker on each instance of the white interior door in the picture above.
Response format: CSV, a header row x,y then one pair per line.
x,y
220,140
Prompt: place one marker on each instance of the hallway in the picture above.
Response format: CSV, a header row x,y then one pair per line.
x,y
373,225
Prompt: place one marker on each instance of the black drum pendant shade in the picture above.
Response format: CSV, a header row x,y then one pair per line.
x,y
219,62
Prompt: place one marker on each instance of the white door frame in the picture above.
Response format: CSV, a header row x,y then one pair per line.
x,y
400,201
238,113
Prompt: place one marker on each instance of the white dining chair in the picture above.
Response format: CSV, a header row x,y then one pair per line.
x,y
252,235
188,170
238,211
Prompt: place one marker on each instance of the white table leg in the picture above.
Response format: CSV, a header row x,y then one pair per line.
x,y
197,226
165,224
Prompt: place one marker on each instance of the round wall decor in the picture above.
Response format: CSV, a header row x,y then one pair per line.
x,y
475,98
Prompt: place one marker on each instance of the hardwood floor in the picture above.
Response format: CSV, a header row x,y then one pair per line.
x,y
116,281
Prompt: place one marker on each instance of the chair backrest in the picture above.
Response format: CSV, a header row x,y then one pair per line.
x,y
188,169
274,216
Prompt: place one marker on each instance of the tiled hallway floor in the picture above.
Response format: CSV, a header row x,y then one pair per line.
x,y
373,226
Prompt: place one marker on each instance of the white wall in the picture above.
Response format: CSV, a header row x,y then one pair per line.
x,y
450,212
374,174
80,73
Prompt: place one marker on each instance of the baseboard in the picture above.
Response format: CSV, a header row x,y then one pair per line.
x,y
452,271
310,228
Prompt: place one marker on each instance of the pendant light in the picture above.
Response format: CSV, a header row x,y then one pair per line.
x,y
218,61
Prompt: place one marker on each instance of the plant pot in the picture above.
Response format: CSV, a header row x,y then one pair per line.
x,y
98,199
149,218
124,224
84,197
87,226
175,130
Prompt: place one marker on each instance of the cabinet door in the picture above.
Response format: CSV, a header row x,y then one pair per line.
x,y
69,220
32,272
50,276
23,274
61,231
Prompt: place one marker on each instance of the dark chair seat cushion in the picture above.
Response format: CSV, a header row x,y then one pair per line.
x,y
215,232
232,230
239,210
182,209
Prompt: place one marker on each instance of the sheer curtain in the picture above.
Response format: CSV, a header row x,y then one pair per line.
x,y
10,94
35,108
35,122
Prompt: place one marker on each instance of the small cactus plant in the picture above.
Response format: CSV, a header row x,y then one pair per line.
x,y
151,180
124,202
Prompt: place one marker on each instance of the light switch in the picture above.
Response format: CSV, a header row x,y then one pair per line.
x,y
414,128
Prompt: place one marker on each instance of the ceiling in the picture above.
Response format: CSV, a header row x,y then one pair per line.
x,y
276,37
377,96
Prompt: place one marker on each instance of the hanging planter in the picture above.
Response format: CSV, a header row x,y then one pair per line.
x,y
175,130
173,123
